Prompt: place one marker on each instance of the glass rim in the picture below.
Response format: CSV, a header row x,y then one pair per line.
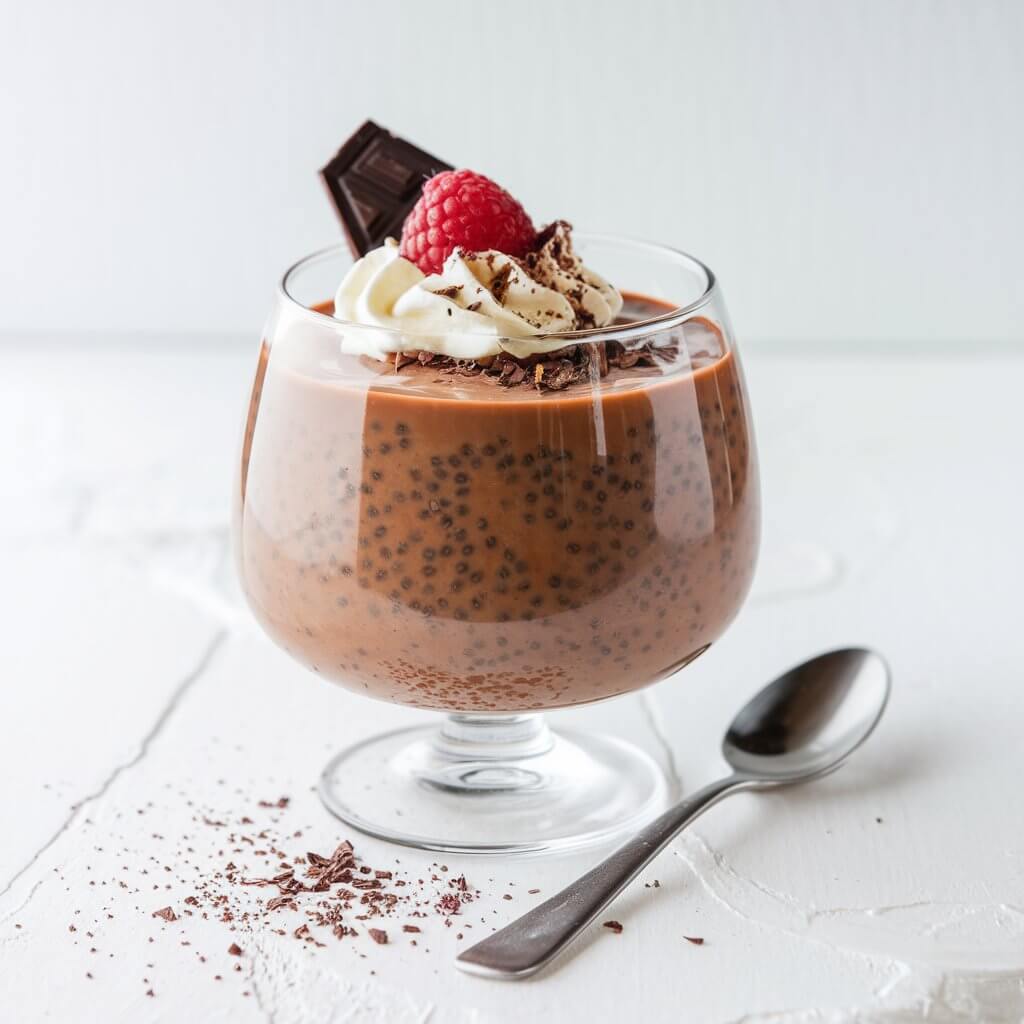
x,y
664,321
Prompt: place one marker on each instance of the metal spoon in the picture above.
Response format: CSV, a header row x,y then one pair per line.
x,y
802,726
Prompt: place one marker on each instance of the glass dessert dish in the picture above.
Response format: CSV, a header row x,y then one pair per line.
x,y
450,539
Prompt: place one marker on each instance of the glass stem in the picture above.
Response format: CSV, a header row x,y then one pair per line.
x,y
468,737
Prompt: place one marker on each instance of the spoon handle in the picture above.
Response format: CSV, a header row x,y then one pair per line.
x,y
526,945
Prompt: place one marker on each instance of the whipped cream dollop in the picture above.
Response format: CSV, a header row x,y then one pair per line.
x,y
481,303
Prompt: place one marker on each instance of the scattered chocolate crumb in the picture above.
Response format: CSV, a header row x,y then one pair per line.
x,y
613,926
277,902
330,895
449,904
533,892
695,939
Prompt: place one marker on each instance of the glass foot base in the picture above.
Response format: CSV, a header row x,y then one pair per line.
x,y
482,785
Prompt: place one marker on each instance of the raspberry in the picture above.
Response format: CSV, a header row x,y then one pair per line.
x,y
463,209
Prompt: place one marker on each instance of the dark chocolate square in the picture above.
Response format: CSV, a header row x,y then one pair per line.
x,y
374,181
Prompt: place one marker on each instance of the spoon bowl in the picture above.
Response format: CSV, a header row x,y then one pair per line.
x,y
809,720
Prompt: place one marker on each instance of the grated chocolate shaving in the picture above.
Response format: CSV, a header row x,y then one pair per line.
x,y
553,371
500,282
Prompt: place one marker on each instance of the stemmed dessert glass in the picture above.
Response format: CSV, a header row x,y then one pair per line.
x,y
435,538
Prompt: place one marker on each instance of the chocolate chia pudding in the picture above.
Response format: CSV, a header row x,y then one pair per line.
x,y
480,476
434,538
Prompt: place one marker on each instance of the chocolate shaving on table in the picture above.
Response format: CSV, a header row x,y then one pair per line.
x,y
366,883
449,904
373,181
336,869
277,902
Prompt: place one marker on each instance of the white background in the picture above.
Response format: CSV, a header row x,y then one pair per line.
x,y
851,170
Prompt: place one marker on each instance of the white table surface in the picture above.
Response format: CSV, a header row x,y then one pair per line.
x,y
137,691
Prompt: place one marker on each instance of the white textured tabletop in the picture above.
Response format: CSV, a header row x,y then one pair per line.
x,y
143,716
